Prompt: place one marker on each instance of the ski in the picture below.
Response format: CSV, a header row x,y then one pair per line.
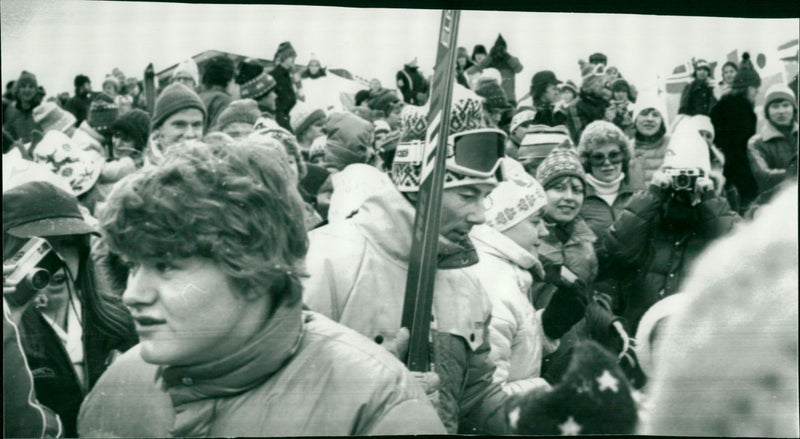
x,y
423,259
150,88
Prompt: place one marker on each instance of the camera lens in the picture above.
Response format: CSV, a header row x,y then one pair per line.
x,y
38,279
682,181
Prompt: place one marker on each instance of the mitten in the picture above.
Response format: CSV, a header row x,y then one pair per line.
x,y
566,308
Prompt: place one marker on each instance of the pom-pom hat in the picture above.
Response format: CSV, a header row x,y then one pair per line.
x,y
559,163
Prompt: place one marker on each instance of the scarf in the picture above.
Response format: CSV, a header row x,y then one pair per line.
x,y
608,191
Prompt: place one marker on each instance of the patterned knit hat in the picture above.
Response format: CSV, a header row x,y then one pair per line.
x,y
176,97
51,117
559,163
242,110
569,85
303,116
257,87
514,199
493,95
594,397
285,50
103,111
414,123
80,167
465,114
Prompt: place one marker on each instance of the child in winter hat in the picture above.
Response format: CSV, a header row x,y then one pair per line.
x,y
727,364
593,397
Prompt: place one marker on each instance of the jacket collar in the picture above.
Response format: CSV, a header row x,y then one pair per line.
x,y
495,243
625,187
580,233
769,132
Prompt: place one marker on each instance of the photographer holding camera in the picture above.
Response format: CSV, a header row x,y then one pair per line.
x,y
649,249
69,329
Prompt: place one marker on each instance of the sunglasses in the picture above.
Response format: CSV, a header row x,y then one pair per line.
x,y
614,157
477,152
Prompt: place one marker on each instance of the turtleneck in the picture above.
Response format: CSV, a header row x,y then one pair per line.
x,y
606,190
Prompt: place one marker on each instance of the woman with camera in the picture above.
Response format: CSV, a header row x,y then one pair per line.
x,y
652,244
70,330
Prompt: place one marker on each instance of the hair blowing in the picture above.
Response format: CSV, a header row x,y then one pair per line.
x,y
230,203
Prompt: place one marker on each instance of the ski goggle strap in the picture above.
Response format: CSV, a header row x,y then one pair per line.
x,y
477,152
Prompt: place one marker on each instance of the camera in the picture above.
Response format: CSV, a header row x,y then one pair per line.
x,y
31,268
684,179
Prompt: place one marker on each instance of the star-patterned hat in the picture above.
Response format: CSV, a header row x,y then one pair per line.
x,y
594,397
78,166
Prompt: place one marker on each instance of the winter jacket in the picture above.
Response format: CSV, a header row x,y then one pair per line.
x,y
550,115
577,254
358,269
56,382
734,124
649,250
79,107
648,156
585,109
412,85
507,65
284,88
697,98
770,154
19,123
516,334
301,375
216,99
599,216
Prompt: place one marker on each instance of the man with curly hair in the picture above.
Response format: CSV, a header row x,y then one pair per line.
x,y
215,242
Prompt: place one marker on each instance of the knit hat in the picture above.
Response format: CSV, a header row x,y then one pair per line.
x,y
80,167
478,49
747,75
493,95
593,397
103,111
650,100
522,116
381,126
243,110
39,208
175,97
540,81
539,142
465,114
687,150
514,200
407,166
257,87
187,68
113,80
620,84
490,74
134,124
50,116
289,143
285,50
598,58
384,101
218,71
559,163
777,92
349,140
80,80
303,116
317,148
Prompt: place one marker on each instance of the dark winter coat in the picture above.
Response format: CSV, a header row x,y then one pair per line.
x,y
284,88
582,111
79,106
19,123
697,98
599,216
770,153
547,114
412,85
649,254
215,99
57,385
734,124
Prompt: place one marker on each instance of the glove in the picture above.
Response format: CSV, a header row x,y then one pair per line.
x,y
566,308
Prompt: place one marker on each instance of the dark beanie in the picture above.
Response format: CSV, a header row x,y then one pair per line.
x,y
747,75
174,98
597,58
134,124
248,70
361,96
218,71
80,80
478,49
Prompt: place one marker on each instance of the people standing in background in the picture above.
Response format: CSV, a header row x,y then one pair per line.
x,y
111,86
412,84
78,105
463,62
568,92
729,70
773,150
18,118
314,69
187,74
698,96
284,83
592,100
508,65
735,122
650,140
217,77
545,94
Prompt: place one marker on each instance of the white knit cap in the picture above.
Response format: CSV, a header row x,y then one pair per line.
x,y
650,100
303,115
687,149
187,68
515,198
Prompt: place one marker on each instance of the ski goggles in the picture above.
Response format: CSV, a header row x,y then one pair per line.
x,y
476,153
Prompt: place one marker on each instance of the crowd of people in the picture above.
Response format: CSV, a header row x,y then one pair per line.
x,y
231,259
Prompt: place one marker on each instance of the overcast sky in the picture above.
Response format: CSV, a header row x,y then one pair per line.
x,y
57,39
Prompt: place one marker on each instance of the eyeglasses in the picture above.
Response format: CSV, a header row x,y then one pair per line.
x,y
478,151
614,157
